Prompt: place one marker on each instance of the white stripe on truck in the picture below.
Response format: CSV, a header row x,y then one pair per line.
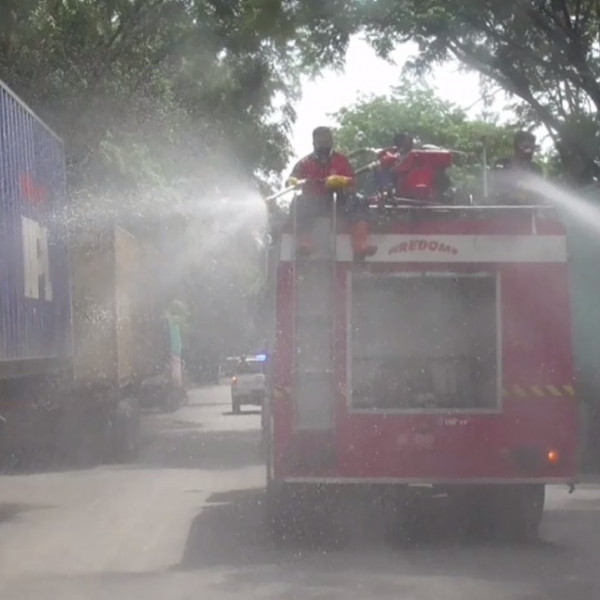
x,y
452,248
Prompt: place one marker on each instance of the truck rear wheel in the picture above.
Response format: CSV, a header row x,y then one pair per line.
x,y
524,511
286,512
171,401
126,430
278,513
504,511
512,512
298,513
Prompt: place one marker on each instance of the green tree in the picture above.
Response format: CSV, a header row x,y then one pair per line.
x,y
165,106
417,109
544,54
144,90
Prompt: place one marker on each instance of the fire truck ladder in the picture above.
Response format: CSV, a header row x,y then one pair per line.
x,y
314,327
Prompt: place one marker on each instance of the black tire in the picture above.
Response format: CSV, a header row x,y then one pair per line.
x,y
264,443
126,430
516,512
185,399
4,445
296,513
528,506
172,401
280,513
474,510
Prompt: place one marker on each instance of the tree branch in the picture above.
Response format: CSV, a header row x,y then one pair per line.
x,y
511,81
571,45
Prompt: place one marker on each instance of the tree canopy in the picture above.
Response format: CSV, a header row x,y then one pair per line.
x,y
145,90
418,110
544,54
123,79
166,107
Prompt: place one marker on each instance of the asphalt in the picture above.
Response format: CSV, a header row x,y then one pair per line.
x,y
185,521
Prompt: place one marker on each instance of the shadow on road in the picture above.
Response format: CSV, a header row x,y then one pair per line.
x,y
230,533
180,447
244,413
11,510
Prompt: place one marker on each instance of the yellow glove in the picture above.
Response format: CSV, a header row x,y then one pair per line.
x,y
292,182
335,182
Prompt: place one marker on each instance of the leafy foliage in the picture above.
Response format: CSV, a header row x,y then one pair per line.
x,y
138,88
543,53
166,106
372,122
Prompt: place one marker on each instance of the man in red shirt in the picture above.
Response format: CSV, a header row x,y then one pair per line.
x,y
326,171
389,158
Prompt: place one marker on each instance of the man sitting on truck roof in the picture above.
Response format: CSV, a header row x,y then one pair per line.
x,y
389,158
508,184
524,144
326,171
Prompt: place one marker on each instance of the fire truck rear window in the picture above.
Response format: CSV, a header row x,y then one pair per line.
x,y
424,342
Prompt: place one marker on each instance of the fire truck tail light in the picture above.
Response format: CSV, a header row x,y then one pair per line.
x,y
233,380
552,457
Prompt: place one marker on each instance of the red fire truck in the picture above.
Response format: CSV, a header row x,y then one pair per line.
x,y
442,362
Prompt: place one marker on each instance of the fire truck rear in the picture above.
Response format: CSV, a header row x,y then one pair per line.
x,y
442,362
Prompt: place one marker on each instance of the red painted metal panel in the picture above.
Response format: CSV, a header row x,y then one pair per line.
x,y
538,413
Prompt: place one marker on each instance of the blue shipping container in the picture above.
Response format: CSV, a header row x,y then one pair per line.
x,y
35,307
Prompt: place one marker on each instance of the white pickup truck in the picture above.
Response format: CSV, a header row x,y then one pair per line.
x,y
248,384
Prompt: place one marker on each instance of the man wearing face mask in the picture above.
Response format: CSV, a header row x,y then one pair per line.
x,y
325,171
524,146
511,171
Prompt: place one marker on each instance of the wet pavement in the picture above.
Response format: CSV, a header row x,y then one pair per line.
x,y
185,521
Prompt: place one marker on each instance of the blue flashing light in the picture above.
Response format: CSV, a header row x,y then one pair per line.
x,y
261,357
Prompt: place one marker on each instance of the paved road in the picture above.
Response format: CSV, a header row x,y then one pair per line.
x,y
184,523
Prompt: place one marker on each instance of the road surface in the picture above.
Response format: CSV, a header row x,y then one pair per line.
x,y
185,523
